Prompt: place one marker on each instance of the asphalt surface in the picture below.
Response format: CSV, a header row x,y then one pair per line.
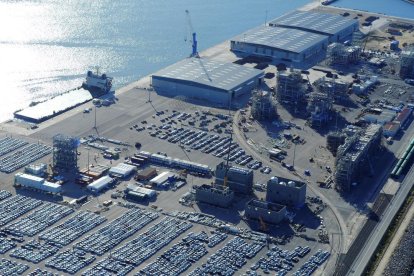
x,y
347,259
238,136
372,242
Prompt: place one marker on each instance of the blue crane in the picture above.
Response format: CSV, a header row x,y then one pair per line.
x,y
193,34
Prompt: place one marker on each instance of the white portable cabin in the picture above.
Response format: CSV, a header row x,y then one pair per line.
x,y
38,183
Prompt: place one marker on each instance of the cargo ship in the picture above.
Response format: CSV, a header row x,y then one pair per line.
x,y
97,84
94,86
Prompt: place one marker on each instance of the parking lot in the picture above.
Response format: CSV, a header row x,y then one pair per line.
x,y
150,127
126,240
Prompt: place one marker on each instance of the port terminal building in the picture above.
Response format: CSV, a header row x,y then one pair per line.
x,y
336,27
298,37
206,79
283,44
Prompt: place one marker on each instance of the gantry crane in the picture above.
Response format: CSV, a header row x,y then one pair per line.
x,y
193,35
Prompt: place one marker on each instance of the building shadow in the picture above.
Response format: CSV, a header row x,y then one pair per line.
x,y
230,214
371,180
38,195
336,122
307,218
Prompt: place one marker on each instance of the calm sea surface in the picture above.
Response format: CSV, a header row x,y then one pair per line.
x,y
46,46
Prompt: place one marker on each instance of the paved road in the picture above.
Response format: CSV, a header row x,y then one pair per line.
x,y
239,137
372,242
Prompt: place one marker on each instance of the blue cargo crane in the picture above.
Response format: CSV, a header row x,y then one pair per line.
x,y
193,34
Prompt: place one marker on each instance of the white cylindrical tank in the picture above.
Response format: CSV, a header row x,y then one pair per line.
x,y
274,180
291,183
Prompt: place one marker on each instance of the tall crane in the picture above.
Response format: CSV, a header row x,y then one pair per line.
x,y
193,35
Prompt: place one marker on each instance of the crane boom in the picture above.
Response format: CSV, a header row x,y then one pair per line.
x,y
193,35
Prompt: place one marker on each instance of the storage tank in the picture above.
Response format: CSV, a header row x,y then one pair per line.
x,y
274,180
291,183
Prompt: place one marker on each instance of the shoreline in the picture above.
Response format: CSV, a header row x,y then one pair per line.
x,y
219,51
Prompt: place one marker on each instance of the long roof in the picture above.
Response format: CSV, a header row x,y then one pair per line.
x,y
291,40
100,183
314,21
55,105
206,72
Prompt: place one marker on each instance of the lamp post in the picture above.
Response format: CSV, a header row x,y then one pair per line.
x,y
94,126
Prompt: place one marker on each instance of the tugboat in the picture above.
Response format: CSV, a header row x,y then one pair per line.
x,y
97,84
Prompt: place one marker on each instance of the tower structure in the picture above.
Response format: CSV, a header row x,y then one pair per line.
x,y
65,155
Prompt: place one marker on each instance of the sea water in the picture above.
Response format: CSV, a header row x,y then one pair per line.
x,y
47,46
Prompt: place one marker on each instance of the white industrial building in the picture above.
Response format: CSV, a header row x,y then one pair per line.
x,y
122,170
282,44
205,79
336,27
100,184
36,169
163,179
37,183
134,191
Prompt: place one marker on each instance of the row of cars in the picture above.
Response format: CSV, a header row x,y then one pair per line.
x,y
309,267
179,257
214,144
193,139
230,258
279,261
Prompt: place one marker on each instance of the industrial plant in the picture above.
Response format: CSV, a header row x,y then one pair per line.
x,y
240,159
290,88
263,105
65,155
407,62
353,158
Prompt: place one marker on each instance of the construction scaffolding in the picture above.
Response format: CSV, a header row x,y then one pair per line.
x,y
336,89
407,62
340,54
263,105
352,159
289,86
65,155
319,108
